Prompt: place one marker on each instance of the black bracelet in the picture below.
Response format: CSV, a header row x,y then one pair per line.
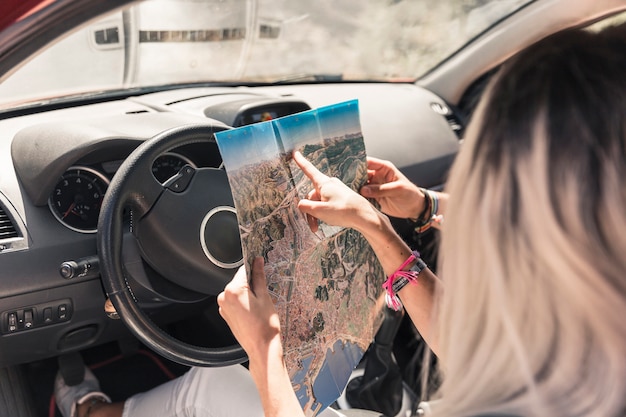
x,y
424,217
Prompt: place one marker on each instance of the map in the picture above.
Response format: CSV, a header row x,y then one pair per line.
x,y
326,285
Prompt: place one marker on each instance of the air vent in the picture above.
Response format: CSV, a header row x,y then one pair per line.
x,y
453,119
7,228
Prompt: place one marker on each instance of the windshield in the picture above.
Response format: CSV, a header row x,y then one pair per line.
x,y
165,42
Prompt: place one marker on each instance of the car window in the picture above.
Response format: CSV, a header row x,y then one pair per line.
x,y
160,42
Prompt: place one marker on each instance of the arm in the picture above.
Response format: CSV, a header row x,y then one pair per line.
x,y
250,314
272,380
334,203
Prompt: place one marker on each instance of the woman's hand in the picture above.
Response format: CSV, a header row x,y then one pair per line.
x,y
249,311
397,196
331,200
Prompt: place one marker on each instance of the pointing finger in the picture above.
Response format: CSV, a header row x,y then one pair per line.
x,y
309,169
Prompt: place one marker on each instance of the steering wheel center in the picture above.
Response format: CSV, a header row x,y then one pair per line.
x,y
219,233
192,237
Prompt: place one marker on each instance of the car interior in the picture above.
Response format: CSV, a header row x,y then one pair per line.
x,y
100,196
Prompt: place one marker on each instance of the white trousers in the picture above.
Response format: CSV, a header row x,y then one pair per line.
x,y
204,392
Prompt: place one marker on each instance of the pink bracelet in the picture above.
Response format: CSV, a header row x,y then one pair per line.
x,y
400,278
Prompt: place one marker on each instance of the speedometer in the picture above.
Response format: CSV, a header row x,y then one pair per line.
x,y
77,197
168,165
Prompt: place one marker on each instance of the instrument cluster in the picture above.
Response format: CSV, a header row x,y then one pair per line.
x,y
77,196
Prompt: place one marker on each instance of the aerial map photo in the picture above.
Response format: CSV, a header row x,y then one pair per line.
x,y
326,285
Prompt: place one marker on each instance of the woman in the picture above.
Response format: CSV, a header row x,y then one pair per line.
x,y
531,321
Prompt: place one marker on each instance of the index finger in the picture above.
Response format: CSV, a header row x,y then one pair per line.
x,y
309,169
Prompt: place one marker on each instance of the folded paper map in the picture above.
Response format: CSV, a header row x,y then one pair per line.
x,y
326,285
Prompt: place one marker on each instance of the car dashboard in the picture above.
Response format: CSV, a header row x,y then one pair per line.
x,y
57,164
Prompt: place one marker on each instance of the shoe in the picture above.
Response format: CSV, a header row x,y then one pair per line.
x,y
68,397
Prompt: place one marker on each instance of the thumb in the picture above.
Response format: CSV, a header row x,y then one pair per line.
x,y
258,282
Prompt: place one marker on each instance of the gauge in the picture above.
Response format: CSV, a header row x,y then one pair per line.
x,y
77,197
168,165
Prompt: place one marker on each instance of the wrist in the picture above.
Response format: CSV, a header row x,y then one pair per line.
x,y
418,205
267,357
260,352
373,224
389,247
406,274
429,215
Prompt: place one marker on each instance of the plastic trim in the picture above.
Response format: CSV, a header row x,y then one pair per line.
x,y
13,243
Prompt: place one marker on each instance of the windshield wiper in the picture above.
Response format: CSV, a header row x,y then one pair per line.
x,y
309,77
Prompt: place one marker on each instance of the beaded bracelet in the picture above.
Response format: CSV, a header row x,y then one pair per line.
x,y
429,214
401,278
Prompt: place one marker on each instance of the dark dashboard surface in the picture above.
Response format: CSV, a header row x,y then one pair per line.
x,y
56,165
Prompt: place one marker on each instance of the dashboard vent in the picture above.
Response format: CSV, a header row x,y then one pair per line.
x,y
7,228
453,119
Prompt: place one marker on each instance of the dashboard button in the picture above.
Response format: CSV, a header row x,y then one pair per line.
x,y
28,319
62,312
47,315
12,322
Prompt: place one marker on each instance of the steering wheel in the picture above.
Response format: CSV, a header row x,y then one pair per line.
x,y
186,232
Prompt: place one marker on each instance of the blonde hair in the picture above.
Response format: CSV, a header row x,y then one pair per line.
x,y
532,321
